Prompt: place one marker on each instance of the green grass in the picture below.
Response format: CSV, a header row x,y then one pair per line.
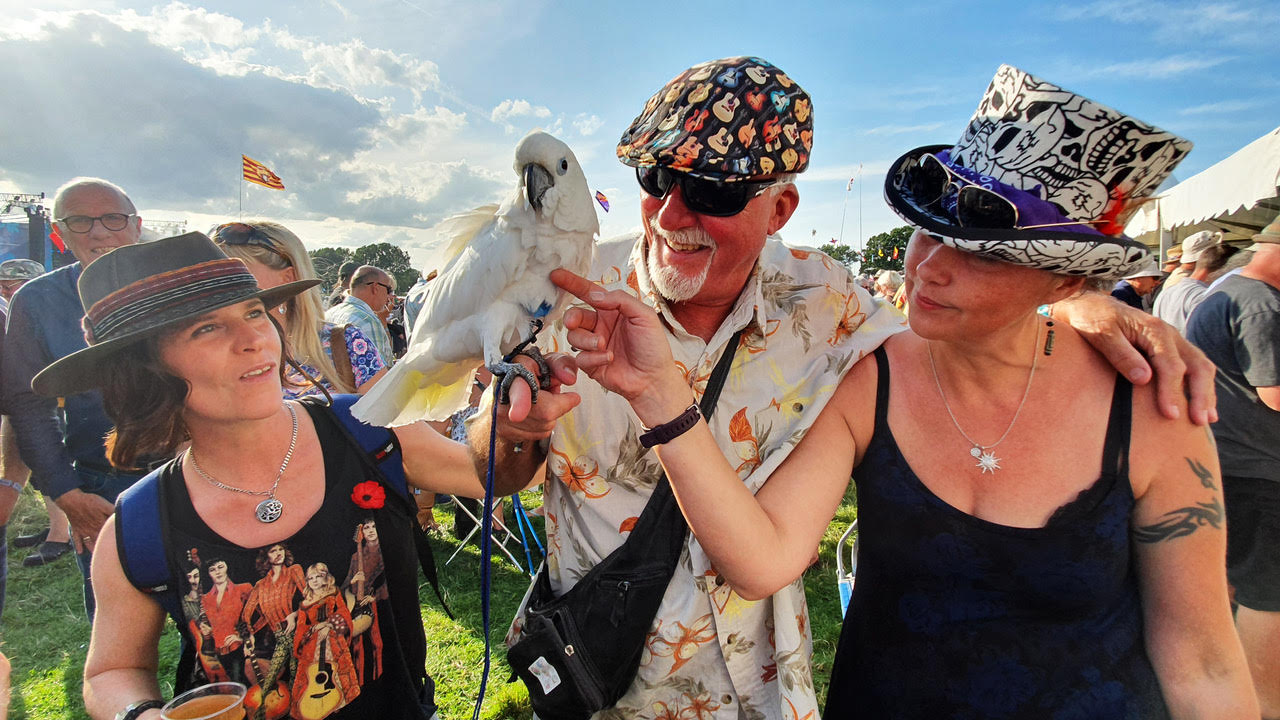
x,y
45,634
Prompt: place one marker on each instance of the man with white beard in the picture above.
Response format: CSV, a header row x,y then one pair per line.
x,y
715,151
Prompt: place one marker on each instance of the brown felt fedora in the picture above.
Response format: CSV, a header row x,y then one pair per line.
x,y
135,291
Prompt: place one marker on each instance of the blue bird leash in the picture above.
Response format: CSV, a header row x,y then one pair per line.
x,y
486,521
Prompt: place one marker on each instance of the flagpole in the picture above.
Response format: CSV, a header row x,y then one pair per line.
x,y
860,241
842,212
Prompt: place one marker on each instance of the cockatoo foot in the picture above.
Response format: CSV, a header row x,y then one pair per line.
x,y
508,372
544,370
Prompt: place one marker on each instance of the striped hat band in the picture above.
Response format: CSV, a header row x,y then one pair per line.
x,y
158,299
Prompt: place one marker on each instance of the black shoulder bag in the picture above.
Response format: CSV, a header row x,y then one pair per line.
x,y
578,653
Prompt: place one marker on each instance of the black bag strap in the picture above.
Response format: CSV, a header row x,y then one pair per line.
x,y
716,382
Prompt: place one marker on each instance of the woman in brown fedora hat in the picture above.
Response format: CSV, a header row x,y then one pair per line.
x,y
1028,547
185,352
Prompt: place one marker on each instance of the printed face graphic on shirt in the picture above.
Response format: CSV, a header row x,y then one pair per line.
x,y
218,572
294,624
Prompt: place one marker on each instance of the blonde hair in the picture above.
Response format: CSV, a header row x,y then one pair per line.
x,y
304,312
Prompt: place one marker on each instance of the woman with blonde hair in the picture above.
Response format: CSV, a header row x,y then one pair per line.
x,y
276,256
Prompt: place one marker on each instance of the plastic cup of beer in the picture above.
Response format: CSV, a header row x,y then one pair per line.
x,y
216,701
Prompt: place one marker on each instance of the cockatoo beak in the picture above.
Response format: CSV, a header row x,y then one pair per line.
x,y
537,181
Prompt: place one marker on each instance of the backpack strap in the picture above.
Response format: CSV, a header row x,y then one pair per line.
x,y
140,542
340,356
382,453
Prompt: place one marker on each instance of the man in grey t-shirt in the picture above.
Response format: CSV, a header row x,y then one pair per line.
x,y
1174,305
1238,327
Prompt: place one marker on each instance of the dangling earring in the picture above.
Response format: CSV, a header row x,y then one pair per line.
x,y
1048,340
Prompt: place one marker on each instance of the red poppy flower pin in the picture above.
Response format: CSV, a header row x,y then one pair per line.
x,y
369,495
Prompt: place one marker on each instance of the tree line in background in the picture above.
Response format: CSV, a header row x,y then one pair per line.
x,y
884,251
383,255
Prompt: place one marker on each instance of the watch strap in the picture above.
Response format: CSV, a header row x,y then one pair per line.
x,y
668,431
134,710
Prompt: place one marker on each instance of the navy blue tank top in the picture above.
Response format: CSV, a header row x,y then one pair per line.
x,y
957,618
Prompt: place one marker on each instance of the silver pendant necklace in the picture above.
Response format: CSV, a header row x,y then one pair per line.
x,y
269,510
987,460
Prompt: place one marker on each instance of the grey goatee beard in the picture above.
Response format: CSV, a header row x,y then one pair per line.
x,y
671,284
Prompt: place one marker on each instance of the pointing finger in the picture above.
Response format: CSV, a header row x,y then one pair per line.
x,y
573,283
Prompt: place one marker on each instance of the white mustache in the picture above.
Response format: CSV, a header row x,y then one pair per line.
x,y
688,237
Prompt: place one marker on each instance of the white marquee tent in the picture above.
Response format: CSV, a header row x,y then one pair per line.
x,y
1237,196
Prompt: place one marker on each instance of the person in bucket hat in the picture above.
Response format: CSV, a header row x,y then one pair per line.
x,y
1238,326
17,270
1191,249
1137,284
717,188
1021,523
186,353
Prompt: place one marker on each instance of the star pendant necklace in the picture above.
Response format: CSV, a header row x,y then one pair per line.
x,y
269,510
987,460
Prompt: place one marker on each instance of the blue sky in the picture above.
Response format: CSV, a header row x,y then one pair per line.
x,y
383,118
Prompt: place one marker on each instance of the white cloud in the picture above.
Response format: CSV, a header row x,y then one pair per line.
x,y
903,129
869,172
1225,106
587,124
355,67
509,109
1159,68
1248,21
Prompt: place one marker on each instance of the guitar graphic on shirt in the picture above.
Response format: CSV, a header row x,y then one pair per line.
x,y
321,695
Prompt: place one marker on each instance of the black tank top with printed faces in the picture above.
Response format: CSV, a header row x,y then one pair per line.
x,y
326,623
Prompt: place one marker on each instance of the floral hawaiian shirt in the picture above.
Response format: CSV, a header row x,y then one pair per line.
x,y
365,362
711,655
354,311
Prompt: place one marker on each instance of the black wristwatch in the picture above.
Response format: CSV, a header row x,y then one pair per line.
x,y
133,711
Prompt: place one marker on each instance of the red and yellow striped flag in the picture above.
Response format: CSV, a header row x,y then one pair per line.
x,y
259,174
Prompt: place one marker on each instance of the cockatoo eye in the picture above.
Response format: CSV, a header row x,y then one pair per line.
x,y
564,165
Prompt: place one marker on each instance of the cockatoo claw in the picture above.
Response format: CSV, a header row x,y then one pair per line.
x,y
544,370
508,372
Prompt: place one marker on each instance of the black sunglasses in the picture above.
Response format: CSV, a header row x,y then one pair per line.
x,y
385,286
238,233
705,197
929,180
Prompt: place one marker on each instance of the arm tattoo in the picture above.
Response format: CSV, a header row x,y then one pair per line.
x,y
1206,477
1187,520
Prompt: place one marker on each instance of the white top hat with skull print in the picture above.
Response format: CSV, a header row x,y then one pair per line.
x,y
1041,177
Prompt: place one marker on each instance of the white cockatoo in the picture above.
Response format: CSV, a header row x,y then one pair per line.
x,y
493,287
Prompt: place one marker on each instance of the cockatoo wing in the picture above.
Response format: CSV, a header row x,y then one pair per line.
x,y
458,231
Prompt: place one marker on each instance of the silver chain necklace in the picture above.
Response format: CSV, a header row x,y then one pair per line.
x,y
269,510
987,460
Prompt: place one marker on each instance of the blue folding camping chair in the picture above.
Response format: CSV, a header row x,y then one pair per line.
x,y
845,578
